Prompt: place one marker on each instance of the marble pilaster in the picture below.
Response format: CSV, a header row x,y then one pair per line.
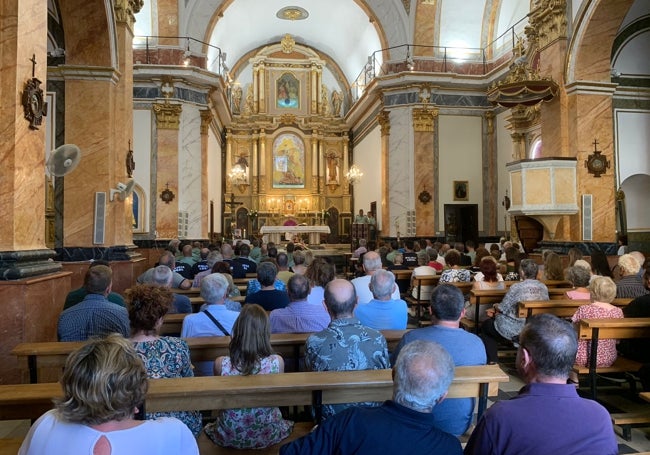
x,y
190,170
167,125
206,119
167,21
22,189
400,161
384,124
424,119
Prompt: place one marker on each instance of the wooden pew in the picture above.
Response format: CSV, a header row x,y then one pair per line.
x,y
480,297
610,328
33,356
191,292
560,308
418,302
29,401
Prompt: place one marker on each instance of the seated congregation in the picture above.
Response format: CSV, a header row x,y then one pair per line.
x,y
343,321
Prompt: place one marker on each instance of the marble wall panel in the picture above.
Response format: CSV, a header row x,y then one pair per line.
x,y
167,174
30,310
190,167
564,184
516,186
401,164
538,187
90,20
425,21
424,172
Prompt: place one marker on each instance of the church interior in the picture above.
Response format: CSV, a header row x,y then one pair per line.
x,y
133,122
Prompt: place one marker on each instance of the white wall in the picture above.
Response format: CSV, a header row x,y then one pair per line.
x,y
142,125
632,143
460,158
367,155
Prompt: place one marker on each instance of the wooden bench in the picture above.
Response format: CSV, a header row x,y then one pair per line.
x,y
191,292
561,308
417,302
610,328
629,420
480,297
29,401
34,356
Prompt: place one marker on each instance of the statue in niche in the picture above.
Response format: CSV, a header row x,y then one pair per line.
x,y
332,168
324,103
337,100
237,94
248,108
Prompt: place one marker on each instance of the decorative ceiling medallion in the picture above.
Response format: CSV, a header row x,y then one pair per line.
x,y
292,13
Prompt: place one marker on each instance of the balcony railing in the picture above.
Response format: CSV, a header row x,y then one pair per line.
x,y
179,51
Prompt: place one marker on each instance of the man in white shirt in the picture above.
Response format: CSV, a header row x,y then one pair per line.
x,y
371,263
214,320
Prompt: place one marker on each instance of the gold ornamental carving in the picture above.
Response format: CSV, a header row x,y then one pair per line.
x,y
423,119
288,119
167,115
547,22
288,44
206,119
489,118
384,122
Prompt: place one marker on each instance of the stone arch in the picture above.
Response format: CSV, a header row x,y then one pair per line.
x,y
589,53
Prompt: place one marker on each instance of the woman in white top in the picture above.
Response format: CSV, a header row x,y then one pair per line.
x,y
93,418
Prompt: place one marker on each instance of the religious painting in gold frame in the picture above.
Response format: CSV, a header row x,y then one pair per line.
x,y
461,190
287,92
288,161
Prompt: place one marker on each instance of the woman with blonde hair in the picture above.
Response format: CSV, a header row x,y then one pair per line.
x,y
553,269
163,357
250,353
603,292
103,383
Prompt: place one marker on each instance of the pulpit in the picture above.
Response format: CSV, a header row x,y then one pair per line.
x,y
359,231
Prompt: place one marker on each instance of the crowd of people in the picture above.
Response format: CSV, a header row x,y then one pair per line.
x,y
297,292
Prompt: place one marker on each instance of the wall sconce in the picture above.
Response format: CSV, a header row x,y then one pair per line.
x,y
187,54
238,177
354,175
167,195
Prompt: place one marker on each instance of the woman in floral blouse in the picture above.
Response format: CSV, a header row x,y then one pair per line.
x,y
163,357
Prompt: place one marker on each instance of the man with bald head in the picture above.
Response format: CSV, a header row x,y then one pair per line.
x,y
345,344
236,269
371,263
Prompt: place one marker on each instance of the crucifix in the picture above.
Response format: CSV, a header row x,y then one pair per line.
x,y
232,204
33,60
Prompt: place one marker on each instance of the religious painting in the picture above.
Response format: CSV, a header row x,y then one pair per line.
x,y
288,161
461,190
287,92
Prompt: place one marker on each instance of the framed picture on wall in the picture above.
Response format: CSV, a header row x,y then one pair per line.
x,y
461,190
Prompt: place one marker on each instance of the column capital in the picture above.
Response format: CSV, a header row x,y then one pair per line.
x,y
206,119
125,11
424,118
167,115
384,122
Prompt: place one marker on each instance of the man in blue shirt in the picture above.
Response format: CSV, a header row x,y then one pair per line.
x,y
547,416
447,308
422,375
94,315
383,312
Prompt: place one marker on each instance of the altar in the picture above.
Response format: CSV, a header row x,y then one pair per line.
x,y
276,232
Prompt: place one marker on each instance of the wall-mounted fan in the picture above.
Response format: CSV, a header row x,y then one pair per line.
x,y
123,190
63,160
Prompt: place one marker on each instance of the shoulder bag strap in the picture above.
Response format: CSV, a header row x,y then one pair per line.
x,y
217,323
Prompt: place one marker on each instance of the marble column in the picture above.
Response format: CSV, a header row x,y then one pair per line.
x,y
206,119
167,125
383,225
423,169
490,183
168,21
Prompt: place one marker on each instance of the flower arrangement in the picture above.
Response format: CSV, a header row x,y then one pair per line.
x,y
252,214
324,214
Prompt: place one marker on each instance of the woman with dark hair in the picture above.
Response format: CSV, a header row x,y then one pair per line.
x,y
599,264
92,417
454,273
513,259
250,353
163,357
319,273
